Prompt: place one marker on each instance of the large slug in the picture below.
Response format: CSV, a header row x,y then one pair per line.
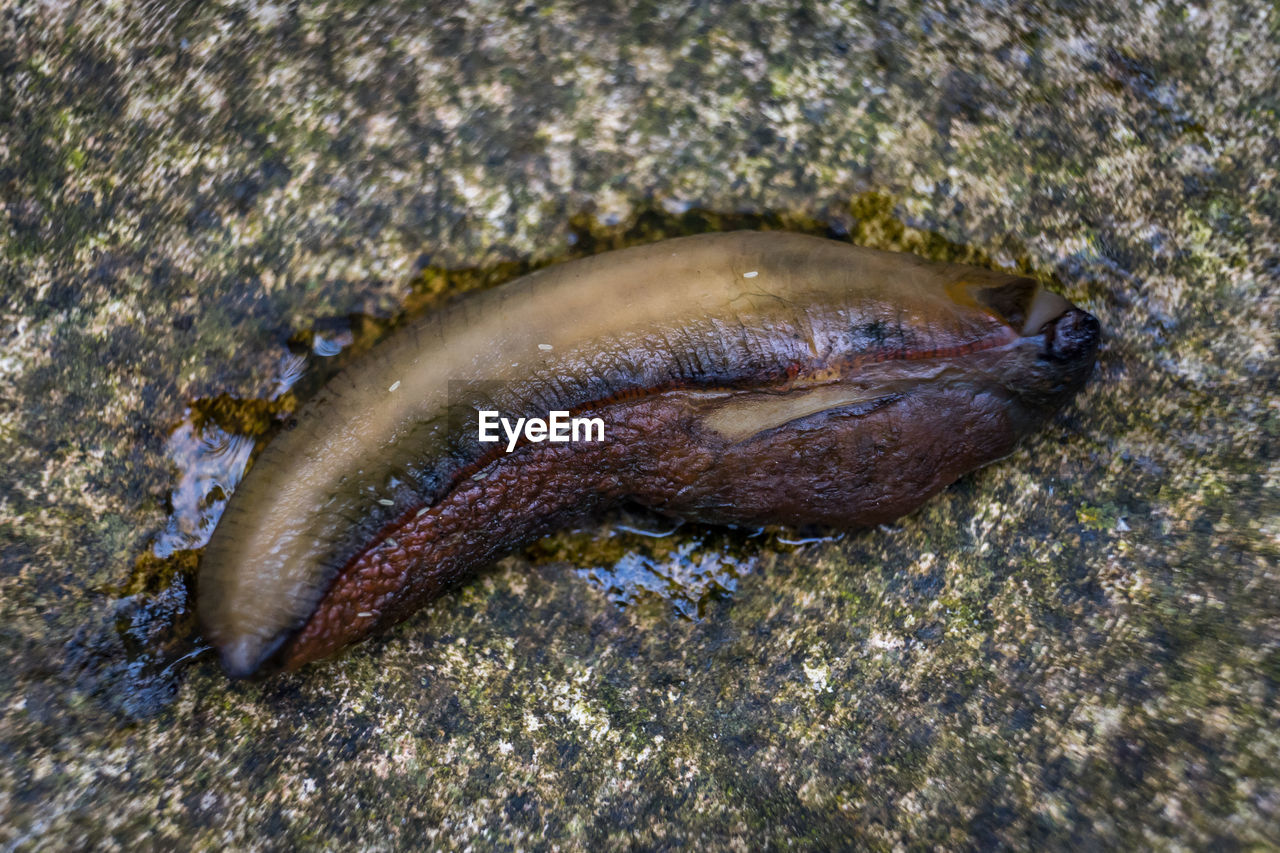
x,y
750,377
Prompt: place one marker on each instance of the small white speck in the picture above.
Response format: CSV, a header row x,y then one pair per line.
x,y
394,385
421,512
544,347
386,502
751,274
818,674
364,614
391,543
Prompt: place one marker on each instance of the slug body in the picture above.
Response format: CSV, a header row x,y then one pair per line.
x,y
751,377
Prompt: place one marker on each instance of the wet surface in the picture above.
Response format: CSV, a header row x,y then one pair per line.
x,y
204,210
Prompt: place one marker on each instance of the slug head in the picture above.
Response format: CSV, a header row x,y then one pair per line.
x,y
1056,347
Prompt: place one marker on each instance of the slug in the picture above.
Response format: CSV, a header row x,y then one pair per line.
x,y
748,377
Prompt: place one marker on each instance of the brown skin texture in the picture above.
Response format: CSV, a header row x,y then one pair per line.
x,y
751,377
839,468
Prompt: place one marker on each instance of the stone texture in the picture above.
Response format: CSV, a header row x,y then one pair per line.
x,y
1078,646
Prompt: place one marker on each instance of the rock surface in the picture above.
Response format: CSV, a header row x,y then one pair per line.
x,y
1079,645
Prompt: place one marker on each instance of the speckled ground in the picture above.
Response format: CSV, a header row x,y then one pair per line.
x,y
1079,646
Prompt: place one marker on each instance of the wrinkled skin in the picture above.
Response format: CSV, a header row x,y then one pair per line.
x,y
749,378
